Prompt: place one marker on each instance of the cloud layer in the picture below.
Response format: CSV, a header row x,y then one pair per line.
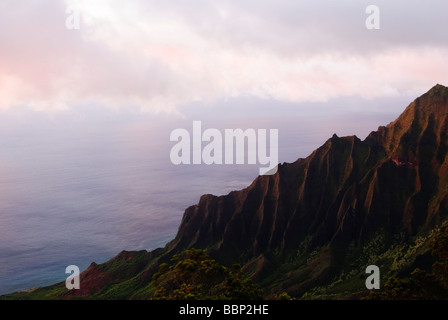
x,y
159,56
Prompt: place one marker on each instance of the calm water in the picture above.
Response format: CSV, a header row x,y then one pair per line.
x,y
74,191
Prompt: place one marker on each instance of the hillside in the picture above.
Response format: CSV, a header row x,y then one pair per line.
x,y
312,228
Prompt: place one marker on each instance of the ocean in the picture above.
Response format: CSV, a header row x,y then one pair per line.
x,y
76,190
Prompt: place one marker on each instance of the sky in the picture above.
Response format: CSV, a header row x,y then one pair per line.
x,y
86,109
162,57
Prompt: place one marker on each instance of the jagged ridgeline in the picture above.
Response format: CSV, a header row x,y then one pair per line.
x,y
311,229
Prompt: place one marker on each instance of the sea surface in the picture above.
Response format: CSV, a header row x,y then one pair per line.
x,y
76,189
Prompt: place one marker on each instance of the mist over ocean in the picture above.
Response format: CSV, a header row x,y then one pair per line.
x,y
76,189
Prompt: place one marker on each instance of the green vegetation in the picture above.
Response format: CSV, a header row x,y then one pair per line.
x,y
195,276
420,285
44,293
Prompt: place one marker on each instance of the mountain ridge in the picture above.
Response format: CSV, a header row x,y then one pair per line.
x,y
318,221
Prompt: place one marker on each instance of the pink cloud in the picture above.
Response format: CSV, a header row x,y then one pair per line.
x,y
131,55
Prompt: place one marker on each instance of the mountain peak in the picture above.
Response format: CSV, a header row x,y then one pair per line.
x,y
437,90
427,113
432,100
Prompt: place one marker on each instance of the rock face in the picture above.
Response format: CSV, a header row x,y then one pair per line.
x,y
345,190
318,220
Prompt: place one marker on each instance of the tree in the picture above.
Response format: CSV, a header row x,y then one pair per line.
x,y
420,284
193,275
439,246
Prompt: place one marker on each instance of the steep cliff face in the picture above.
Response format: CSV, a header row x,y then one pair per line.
x,y
396,178
319,221
394,182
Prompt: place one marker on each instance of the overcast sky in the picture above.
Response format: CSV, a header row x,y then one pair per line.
x,y
160,56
